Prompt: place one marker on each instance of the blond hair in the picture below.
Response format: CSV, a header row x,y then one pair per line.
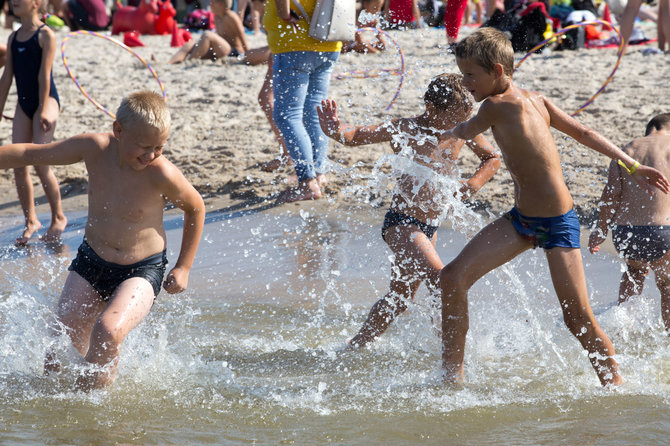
x,y
446,92
487,47
145,107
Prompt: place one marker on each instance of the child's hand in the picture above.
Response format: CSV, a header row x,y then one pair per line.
x,y
650,178
330,123
46,122
176,280
466,191
596,238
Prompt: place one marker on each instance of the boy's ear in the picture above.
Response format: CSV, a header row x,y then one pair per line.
x,y
499,70
117,128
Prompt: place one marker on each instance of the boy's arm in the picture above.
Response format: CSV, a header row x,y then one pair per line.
x,y
68,151
467,130
183,195
608,207
240,32
349,135
645,176
490,162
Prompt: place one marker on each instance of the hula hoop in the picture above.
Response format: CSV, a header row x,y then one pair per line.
x,y
117,43
400,71
565,30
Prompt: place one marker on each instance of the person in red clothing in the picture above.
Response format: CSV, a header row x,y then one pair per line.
x,y
403,13
86,14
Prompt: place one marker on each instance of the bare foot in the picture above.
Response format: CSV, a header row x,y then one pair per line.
x,y
55,230
28,231
308,190
322,180
181,55
275,164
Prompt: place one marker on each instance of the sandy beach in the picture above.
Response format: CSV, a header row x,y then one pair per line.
x,y
220,137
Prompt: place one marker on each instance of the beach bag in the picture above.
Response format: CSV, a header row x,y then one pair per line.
x,y
332,20
200,19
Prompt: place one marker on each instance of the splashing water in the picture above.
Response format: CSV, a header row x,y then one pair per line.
x,y
253,351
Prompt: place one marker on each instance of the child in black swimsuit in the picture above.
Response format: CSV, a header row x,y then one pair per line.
x,y
640,221
410,224
30,55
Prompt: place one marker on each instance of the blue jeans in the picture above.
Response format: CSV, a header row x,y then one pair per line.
x,y
300,81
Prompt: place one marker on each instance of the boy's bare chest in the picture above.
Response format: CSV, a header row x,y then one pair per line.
x,y
129,198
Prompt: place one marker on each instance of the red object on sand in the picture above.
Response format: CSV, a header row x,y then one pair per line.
x,y
132,39
179,36
140,19
165,21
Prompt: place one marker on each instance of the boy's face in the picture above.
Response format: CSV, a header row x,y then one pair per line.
x,y
139,144
476,79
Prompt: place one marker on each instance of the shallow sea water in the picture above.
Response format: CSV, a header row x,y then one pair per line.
x,y
253,352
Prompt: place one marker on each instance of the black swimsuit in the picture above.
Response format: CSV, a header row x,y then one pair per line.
x,y
105,276
394,218
645,243
27,60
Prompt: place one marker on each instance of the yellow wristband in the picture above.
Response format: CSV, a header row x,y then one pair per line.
x,y
632,170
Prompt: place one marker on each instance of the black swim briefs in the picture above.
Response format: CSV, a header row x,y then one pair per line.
x,y
105,276
394,218
644,243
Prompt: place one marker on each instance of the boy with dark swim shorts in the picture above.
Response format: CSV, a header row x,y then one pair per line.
x,y
641,221
119,267
410,224
542,215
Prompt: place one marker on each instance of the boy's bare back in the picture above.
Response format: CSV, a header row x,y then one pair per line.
x,y
229,26
654,151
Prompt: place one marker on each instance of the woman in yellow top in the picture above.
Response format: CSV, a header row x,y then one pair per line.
x,y
300,77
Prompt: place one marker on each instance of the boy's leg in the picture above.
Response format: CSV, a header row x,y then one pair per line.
x,y
47,177
22,132
415,260
567,275
126,308
210,46
182,53
661,269
632,280
78,308
258,56
493,246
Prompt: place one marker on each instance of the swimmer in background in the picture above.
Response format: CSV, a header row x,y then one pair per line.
x,y
641,221
411,223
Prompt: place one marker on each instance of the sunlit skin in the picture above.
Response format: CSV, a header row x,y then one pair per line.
x,y
229,34
520,121
129,184
623,202
415,257
38,129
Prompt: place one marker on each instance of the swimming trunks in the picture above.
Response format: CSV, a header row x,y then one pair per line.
x,y
105,276
547,232
26,60
393,218
645,243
